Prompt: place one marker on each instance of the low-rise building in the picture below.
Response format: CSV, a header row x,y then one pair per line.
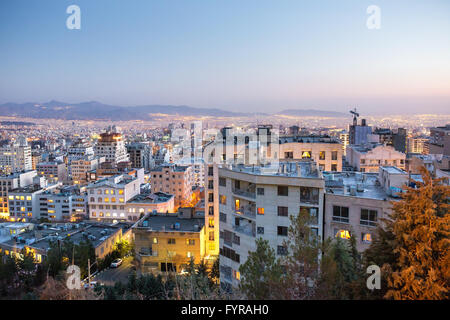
x,y
369,157
166,243
145,203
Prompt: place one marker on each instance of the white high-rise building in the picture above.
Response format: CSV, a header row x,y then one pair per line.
x,y
111,145
255,201
15,157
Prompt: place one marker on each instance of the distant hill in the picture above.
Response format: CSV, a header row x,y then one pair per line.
x,y
311,113
93,110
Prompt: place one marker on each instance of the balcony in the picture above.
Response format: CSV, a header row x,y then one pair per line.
x,y
244,193
247,211
247,230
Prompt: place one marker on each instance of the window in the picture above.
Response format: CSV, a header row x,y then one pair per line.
x,y
236,239
222,217
211,210
282,231
283,191
289,155
281,250
322,155
211,236
222,182
155,240
223,200
260,230
312,212
282,211
190,242
366,238
171,241
342,233
306,154
260,191
309,195
368,217
334,155
190,254
333,167
211,222
261,211
340,214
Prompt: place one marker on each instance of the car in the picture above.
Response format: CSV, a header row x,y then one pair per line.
x,y
116,263
90,285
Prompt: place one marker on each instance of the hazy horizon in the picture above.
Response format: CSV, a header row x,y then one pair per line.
x,y
253,56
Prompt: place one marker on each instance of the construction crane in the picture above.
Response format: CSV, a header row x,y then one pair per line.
x,y
355,116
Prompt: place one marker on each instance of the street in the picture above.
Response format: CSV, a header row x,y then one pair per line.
x,y
112,275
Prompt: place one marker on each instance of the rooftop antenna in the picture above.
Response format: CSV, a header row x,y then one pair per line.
x,y
355,116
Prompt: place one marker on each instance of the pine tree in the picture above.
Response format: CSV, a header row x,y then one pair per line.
x,y
261,273
421,226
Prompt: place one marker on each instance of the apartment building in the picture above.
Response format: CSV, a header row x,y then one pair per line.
x,y
324,150
107,197
417,144
15,158
140,155
79,168
144,203
53,171
111,145
369,157
256,201
356,203
10,182
166,243
173,179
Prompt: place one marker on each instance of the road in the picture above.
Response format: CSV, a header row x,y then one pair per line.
x,y
112,275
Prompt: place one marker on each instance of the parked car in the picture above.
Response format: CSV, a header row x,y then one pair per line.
x,y
90,285
116,263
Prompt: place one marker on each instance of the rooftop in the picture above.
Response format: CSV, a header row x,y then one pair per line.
x,y
170,224
158,197
308,139
355,184
392,170
302,168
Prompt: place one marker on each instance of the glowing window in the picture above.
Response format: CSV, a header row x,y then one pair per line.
x,y
344,234
260,210
106,199
366,238
121,191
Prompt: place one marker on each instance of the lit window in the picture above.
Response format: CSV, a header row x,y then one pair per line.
x,y
260,210
121,191
366,238
344,234
211,222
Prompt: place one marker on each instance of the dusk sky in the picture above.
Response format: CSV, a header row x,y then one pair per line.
x,y
238,55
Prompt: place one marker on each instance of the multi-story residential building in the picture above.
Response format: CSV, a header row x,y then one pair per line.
x,y
144,203
439,142
107,197
345,141
173,179
15,157
356,203
324,150
79,168
10,182
369,157
167,243
63,204
111,145
36,157
257,201
358,133
140,155
416,144
53,171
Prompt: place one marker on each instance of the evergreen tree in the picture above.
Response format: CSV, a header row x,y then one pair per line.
x,y
421,226
260,273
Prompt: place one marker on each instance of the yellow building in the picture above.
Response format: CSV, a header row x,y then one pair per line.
x,y
167,243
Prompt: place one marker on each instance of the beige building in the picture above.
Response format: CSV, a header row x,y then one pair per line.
x,y
173,179
369,158
167,243
54,171
325,151
107,197
79,168
111,145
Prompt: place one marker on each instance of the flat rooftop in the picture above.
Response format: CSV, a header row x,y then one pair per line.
x,y
165,223
393,170
308,139
157,197
300,169
366,184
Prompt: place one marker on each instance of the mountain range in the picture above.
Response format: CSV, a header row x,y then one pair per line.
x,y
93,110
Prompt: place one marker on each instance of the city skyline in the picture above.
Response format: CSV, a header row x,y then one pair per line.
x,y
243,57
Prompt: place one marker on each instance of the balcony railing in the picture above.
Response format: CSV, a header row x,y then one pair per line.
x,y
246,230
247,211
244,193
